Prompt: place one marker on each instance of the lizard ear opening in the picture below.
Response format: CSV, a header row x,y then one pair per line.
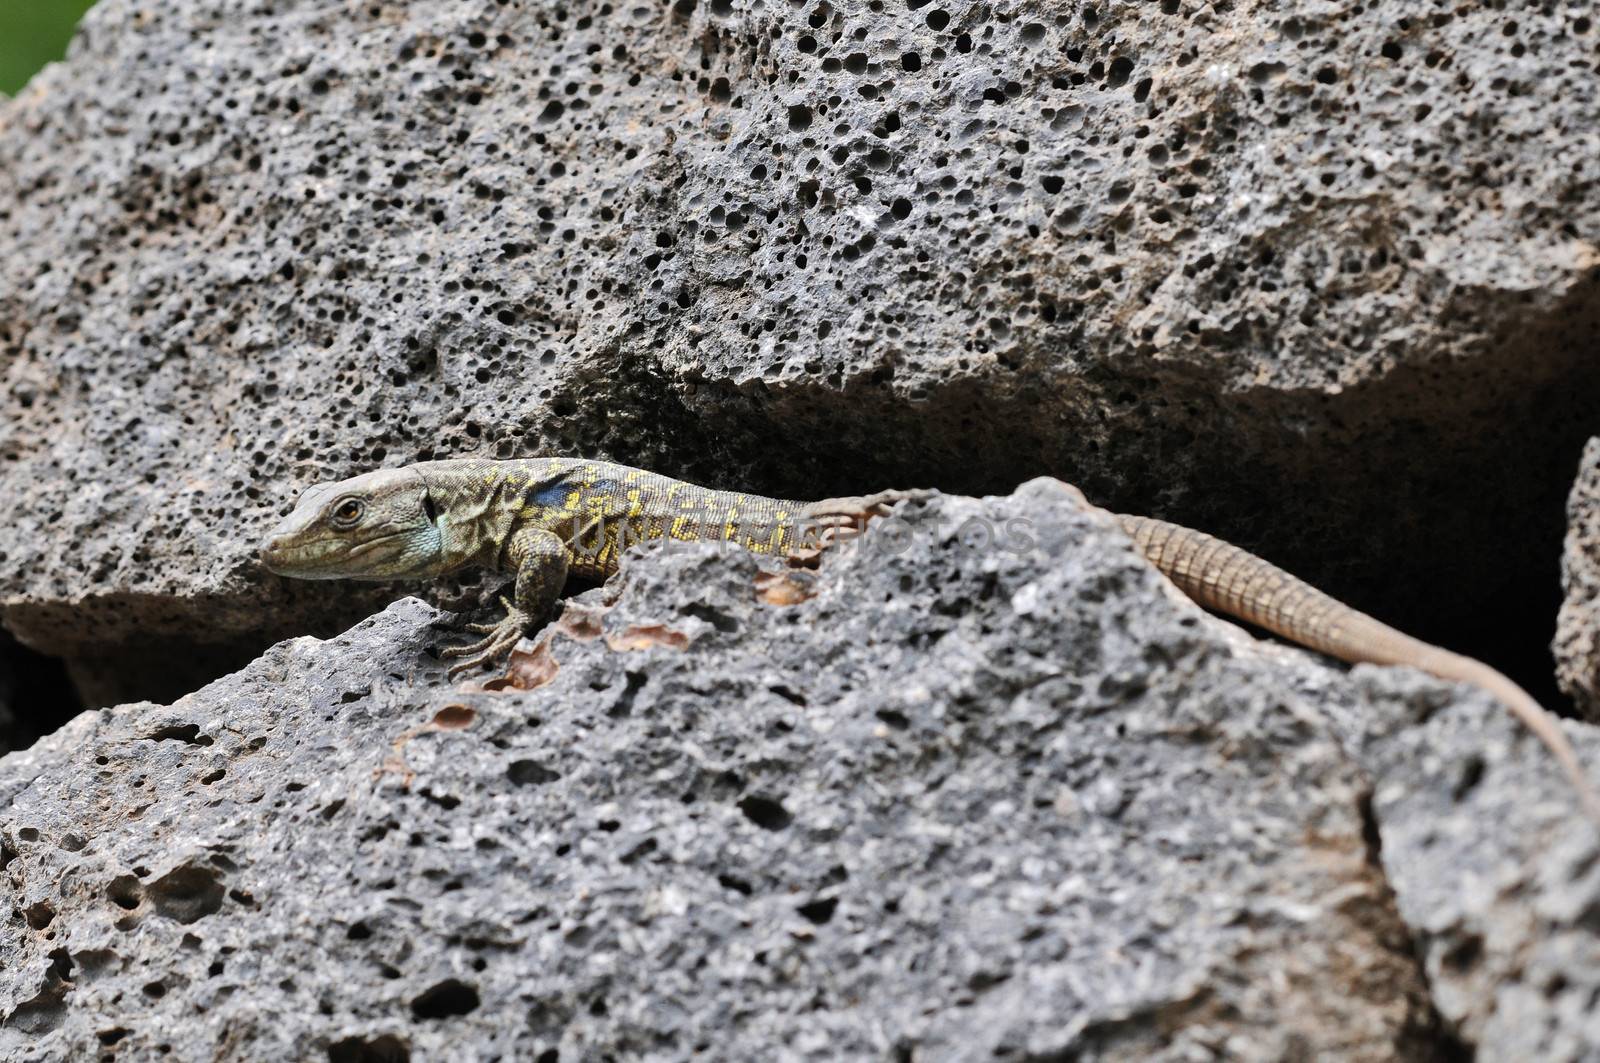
x,y
429,510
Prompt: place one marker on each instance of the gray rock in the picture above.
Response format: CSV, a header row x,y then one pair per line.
x,y
1219,264
956,800
1299,275
1577,643
1495,872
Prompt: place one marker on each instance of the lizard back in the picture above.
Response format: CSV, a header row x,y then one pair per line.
x,y
598,509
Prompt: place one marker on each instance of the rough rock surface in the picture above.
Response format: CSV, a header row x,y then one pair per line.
x,y
1495,874
947,802
1577,645
1301,274
1214,263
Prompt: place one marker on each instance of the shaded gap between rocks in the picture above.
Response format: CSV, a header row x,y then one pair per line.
x,y
1432,1040
36,696
1432,497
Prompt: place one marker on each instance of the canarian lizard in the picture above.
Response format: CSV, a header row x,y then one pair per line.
x,y
543,519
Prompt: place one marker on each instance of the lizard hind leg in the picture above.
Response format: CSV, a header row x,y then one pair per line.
x,y
838,520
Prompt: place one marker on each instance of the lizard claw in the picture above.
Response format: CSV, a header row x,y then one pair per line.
x,y
498,640
484,629
476,647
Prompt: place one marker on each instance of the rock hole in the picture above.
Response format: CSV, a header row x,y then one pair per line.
x,y
715,617
187,893
448,802
1463,955
385,1048
638,852
125,891
530,773
448,999
187,732
765,812
894,719
454,718
622,708
1472,773
788,694
819,912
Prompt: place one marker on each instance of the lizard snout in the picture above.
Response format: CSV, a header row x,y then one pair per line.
x,y
271,554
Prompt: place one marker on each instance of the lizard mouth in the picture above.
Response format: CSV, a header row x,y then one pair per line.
x,y
329,557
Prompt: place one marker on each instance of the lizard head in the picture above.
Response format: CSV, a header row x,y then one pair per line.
x,y
379,525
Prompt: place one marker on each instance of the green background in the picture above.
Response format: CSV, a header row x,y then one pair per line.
x,y
32,33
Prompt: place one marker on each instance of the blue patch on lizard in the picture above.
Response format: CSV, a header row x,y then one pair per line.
x,y
554,496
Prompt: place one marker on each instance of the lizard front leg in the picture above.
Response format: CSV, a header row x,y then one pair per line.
x,y
540,559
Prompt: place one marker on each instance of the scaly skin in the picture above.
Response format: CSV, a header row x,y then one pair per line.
x,y
1221,576
542,519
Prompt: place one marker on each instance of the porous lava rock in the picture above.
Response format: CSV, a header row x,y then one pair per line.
x,y
1577,644
1317,277
986,791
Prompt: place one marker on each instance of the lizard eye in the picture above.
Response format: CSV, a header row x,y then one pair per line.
x,y
348,512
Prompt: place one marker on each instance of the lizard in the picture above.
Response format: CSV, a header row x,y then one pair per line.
x,y
544,519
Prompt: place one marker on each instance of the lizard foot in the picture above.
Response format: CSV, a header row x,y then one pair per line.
x,y
498,640
837,520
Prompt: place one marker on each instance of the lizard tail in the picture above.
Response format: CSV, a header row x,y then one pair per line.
x,y
1229,580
